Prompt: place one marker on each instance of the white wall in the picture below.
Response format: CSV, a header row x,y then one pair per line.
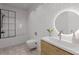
x,y
21,28
43,17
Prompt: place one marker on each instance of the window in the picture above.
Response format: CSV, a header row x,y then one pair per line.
x,y
7,23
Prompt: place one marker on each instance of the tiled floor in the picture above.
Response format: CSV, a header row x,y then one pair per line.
x,y
20,49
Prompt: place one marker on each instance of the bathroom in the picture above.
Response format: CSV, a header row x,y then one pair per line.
x,y
37,28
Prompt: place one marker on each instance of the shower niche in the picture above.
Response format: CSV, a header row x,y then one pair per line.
x,y
7,23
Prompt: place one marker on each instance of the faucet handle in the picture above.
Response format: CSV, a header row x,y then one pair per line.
x,y
60,33
72,31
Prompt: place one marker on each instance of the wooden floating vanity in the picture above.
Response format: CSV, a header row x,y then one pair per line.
x,y
49,49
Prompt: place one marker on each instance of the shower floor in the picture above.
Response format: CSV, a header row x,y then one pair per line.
x,y
20,49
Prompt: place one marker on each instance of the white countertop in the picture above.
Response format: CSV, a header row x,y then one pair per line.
x,y
72,48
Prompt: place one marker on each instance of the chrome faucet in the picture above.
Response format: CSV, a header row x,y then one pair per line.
x,y
74,36
60,34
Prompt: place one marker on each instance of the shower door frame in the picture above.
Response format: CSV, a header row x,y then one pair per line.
x,y
8,24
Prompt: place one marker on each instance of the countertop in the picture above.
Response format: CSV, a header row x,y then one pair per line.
x,y
70,47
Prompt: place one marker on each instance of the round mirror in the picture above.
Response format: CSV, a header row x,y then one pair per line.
x,y
67,21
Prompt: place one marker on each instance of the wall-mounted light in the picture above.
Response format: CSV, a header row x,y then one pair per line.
x,y
20,25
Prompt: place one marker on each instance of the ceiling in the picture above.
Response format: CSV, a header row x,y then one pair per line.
x,y
24,6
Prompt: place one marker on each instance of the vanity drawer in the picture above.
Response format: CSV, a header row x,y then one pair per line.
x,y
48,49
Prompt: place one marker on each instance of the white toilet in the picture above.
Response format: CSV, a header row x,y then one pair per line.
x,y
32,44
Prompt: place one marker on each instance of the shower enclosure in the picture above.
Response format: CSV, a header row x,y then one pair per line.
x,y
7,23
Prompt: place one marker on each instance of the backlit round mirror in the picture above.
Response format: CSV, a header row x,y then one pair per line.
x,y
66,21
